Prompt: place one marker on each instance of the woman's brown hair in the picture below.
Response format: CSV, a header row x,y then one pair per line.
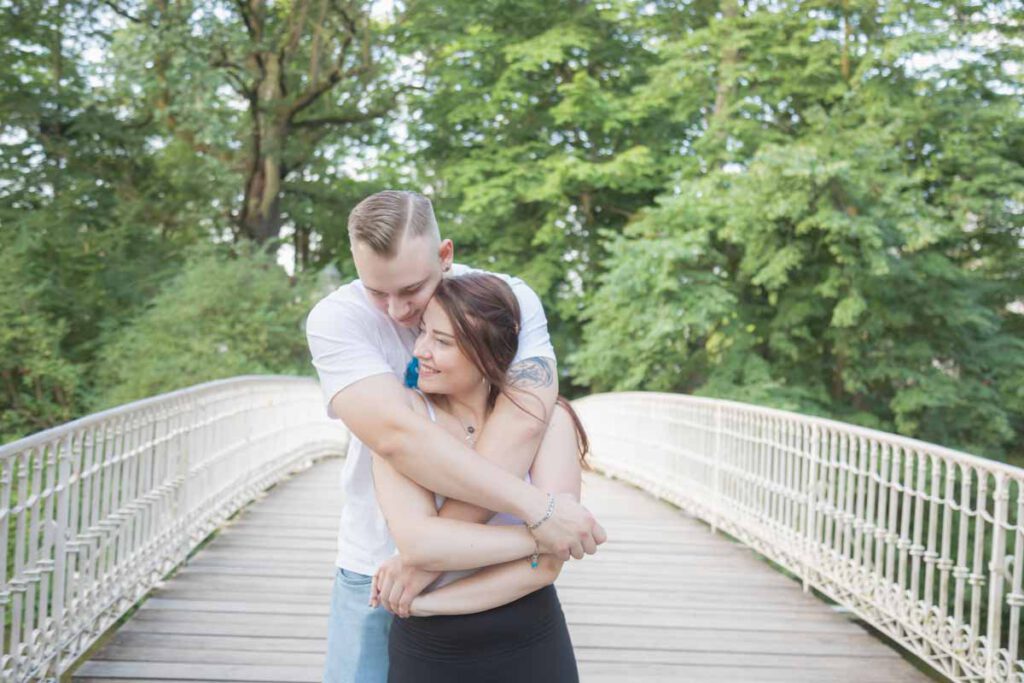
x,y
484,313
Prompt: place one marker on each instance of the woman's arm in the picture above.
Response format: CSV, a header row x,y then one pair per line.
x,y
488,588
556,469
427,541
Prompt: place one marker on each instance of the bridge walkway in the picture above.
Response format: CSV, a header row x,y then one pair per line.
x,y
664,600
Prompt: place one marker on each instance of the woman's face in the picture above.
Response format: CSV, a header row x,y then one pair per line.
x,y
444,368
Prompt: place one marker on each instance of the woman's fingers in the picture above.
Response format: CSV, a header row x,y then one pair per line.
x,y
394,597
404,603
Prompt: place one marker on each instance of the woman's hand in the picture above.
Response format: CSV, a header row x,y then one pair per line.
x,y
395,586
418,606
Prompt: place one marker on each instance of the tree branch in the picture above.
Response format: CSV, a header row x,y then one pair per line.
x,y
315,90
250,27
234,72
314,57
349,22
297,20
357,117
121,12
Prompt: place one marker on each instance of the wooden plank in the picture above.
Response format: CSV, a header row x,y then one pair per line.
x,y
183,642
158,671
646,672
208,656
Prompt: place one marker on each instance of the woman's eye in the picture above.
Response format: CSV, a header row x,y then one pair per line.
x,y
443,342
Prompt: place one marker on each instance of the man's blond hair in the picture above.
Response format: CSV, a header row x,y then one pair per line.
x,y
383,220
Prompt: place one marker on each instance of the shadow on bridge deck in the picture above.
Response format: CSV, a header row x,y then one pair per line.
x,y
663,600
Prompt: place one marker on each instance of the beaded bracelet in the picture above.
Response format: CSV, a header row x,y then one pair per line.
x,y
547,515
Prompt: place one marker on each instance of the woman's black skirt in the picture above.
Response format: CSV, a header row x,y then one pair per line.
x,y
525,640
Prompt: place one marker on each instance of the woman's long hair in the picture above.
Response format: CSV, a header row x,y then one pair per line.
x,y
484,313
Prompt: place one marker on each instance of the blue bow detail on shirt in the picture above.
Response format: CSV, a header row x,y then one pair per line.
x,y
412,373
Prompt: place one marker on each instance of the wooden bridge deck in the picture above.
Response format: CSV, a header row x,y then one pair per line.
x,y
664,600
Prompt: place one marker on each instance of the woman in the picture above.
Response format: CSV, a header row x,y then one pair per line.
x,y
503,622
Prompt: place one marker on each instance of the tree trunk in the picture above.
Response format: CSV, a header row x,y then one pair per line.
x,y
261,213
301,248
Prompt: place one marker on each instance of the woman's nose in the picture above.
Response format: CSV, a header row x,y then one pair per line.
x,y
419,349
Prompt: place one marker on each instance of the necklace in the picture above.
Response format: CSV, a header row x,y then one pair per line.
x,y
469,429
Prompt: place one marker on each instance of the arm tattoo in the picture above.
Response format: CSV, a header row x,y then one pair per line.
x,y
531,373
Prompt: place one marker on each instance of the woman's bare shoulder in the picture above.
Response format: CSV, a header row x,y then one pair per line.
x,y
417,401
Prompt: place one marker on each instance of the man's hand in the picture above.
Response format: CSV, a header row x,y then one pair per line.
x,y
571,530
394,585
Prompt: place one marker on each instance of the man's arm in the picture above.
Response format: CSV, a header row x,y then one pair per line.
x,y
376,409
513,432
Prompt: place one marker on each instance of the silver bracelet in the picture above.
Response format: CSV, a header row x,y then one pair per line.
x,y
547,515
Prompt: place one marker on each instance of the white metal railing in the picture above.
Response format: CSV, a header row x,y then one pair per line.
x,y
924,543
95,512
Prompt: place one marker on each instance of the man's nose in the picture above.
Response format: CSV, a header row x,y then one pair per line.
x,y
396,308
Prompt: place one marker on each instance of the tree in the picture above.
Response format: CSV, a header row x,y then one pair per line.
x,y
835,248
88,227
527,136
260,90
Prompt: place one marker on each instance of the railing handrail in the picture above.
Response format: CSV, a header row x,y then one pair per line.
x,y
94,512
924,542
85,421
962,457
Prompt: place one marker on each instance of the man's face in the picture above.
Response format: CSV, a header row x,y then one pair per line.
x,y
402,285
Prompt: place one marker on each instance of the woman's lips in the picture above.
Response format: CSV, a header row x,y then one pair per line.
x,y
426,370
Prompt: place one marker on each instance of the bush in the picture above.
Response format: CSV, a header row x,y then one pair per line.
x,y
228,312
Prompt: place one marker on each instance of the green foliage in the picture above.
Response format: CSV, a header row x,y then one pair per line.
x,y
38,386
860,223
810,204
527,133
229,312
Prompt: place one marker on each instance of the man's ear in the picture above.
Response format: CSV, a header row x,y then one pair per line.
x,y
446,252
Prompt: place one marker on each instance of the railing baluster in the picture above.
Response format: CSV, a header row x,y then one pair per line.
x,y
993,631
871,479
858,460
917,549
931,554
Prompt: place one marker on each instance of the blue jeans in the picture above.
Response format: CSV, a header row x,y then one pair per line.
x,y
357,635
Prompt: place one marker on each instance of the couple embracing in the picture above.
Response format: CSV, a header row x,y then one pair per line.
x,y
462,478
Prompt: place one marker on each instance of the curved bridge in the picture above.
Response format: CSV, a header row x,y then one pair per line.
x,y
922,544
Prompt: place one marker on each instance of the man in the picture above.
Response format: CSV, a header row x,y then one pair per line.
x,y
361,338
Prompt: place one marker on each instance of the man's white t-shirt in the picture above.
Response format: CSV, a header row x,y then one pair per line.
x,y
350,339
